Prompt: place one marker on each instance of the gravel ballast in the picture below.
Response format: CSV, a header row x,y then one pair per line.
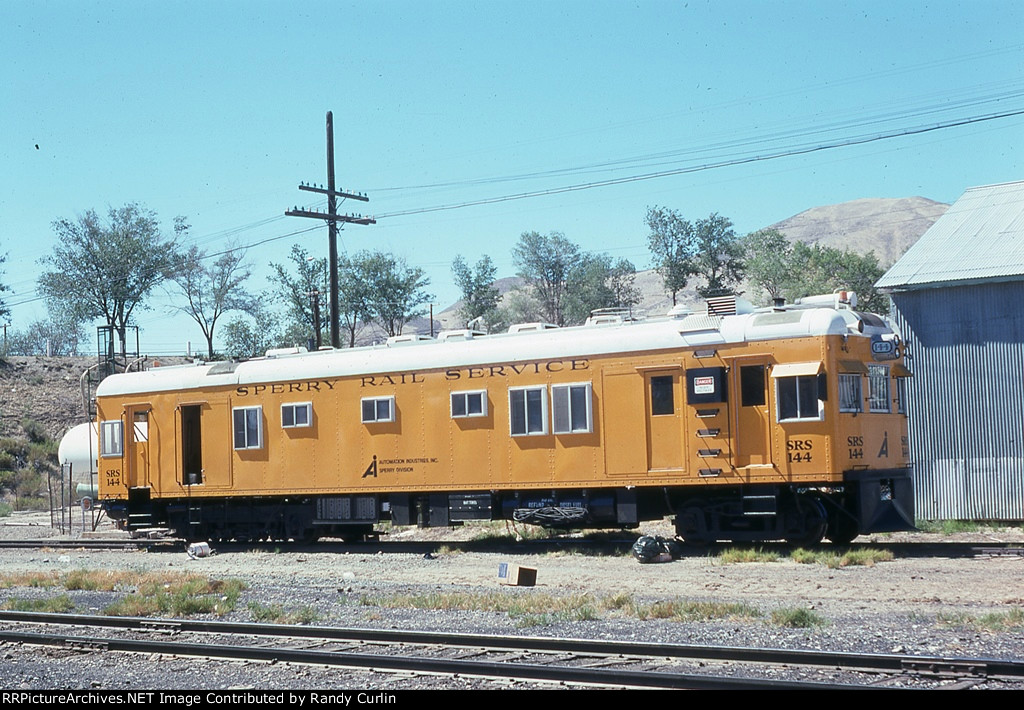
x,y
900,606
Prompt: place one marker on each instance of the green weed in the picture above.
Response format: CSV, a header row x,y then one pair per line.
x,y
1012,620
683,610
178,595
796,618
276,614
735,555
52,605
540,609
833,560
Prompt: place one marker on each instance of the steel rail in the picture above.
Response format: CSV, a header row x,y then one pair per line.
x,y
505,670
903,549
978,667
88,544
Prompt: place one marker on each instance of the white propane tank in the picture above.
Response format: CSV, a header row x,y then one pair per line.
x,y
78,447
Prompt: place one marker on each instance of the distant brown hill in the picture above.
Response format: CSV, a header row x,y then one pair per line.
x,y
886,226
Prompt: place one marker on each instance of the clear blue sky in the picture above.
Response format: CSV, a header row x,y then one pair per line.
x,y
216,111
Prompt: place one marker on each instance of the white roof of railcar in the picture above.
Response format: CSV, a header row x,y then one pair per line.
x,y
510,348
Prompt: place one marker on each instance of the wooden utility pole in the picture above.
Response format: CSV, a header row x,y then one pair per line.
x,y
332,217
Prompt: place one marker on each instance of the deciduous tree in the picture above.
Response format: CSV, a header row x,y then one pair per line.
x,y
354,293
769,261
820,269
303,291
106,268
479,296
212,288
707,248
252,334
546,262
396,291
53,336
719,256
595,282
673,246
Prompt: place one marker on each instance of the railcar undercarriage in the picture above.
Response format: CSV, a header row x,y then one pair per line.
x,y
876,501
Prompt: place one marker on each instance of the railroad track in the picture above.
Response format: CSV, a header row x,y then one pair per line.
x,y
902,549
571,661
91,544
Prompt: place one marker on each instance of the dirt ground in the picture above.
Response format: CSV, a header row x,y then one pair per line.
x,y
906,584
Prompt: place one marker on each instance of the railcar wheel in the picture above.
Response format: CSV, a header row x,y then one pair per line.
x,y
810,521
842,528
842,525
355,533
691,525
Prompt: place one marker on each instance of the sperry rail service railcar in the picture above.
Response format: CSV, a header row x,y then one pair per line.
x,y
781,423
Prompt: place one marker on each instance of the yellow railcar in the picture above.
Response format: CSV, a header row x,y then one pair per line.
x,y
781,423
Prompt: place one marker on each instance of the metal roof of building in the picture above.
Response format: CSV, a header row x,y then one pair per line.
x,y
979,238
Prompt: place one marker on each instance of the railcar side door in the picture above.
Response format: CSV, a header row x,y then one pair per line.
x,y
204,443
664,420
752,413
191,438
136,445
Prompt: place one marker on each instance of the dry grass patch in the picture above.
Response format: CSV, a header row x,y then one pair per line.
x,y
528,609
276,614
542,609
44,580
177,594
996,622
686,610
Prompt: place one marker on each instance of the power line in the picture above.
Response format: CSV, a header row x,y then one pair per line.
x,y
860,140
944,105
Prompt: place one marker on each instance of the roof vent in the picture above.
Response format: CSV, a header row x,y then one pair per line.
x,y
278,352
603,316
463,334
414,339
530,327
728,305
836,300
680,311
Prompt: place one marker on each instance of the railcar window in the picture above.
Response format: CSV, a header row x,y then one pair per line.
x,y
469,404
662,397
799,397
528,411
248,425
851,398
752,389
297,415
141,427
878,388
571,409
378,409
111,438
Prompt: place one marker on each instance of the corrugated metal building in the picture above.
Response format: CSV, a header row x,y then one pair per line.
x,y
958,300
